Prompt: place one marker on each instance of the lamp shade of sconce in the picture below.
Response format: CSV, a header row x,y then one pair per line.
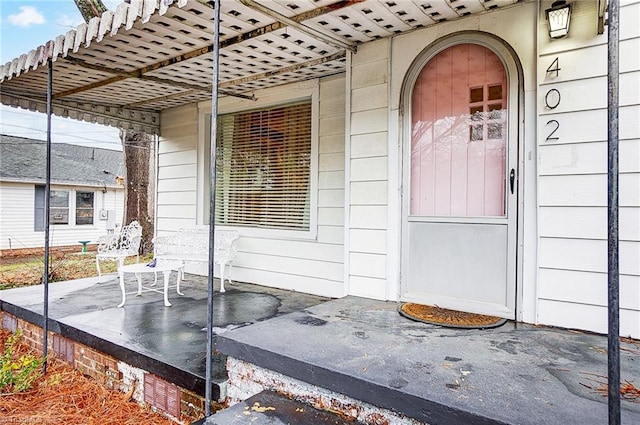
x,y
558,19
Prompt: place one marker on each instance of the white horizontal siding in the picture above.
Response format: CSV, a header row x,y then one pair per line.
x,y
299,249
589,126
588,223
587,288
572,170
587,190
372,241
177,170
17,217
592,60
587,255
584,316
369,145
290,266
587,158
368,171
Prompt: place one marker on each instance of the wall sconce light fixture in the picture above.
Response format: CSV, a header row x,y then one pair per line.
x,y
558,18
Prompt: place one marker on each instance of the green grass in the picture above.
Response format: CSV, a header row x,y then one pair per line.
x,y
29,271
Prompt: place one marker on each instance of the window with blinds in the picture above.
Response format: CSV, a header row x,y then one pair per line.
x,y
263,164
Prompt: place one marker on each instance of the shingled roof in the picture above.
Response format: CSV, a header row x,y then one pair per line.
x,y
24,160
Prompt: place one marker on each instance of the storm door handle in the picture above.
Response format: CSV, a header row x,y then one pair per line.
x,y
512,179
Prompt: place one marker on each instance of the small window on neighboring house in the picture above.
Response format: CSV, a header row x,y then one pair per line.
x,y
264,168
59,208
38,209
84,207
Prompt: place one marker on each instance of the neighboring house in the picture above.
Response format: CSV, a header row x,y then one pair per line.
x,y
447,153
86,201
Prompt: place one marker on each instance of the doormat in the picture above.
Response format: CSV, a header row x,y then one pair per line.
x,y
449,318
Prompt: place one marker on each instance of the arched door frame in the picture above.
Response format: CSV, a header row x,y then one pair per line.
x,y
515,81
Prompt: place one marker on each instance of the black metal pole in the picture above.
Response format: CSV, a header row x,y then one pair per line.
x,y
212,202
613,357
47,207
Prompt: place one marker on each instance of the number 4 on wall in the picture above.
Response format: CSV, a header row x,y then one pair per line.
x,y
554,67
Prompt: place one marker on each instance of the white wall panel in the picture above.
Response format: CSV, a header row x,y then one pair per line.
x,y
587,190
176,185
369,97
332,126
368,287
331,234
369,145
368,240
368,217
369,193
365,169
309,250
370,121
331,162
177,198
588,223
369,73
583,316
331,179
330,198
333,143
587,255
368,265
589,126
176,158
587,158
331,216
290,265
587,288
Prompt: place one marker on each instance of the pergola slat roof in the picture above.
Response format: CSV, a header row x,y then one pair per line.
x,y
124,68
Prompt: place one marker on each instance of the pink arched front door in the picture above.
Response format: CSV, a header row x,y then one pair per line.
x,y
459,240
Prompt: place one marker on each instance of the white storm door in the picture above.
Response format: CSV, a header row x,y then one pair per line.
x,y
460,218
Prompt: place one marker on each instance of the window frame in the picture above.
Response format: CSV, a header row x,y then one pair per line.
x,y
72,193
271,98
76,208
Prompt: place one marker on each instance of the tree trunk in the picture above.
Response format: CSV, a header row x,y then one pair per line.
x,y
138,150
90,8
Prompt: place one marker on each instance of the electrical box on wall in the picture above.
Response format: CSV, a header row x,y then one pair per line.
x,y
111,220
104,214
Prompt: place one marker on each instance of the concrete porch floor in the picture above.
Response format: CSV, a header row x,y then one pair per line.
x,y
167,341
516,374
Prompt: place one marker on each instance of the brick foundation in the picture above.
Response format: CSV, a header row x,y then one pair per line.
x,y
108,370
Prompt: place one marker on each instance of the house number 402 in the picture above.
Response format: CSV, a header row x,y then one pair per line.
x,y
552,101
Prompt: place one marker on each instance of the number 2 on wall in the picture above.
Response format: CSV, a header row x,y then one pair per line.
x,y
551,137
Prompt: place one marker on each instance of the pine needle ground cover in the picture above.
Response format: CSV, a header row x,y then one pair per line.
x,y
63,395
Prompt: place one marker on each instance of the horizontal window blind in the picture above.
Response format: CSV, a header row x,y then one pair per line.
x,y
263,162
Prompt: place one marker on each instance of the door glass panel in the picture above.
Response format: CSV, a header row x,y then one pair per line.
x,y
458,139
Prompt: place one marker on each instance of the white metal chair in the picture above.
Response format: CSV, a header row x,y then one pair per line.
x,y
225,251
117,247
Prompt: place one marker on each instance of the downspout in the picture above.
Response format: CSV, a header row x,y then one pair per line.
x,y
47,207
212,202
613,269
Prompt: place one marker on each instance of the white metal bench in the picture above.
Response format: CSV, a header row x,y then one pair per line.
x,y
192,245
118,246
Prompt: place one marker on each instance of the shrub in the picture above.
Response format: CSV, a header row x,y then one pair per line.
x,y
18,371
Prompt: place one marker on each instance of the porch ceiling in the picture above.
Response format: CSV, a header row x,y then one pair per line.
x,y
124,68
